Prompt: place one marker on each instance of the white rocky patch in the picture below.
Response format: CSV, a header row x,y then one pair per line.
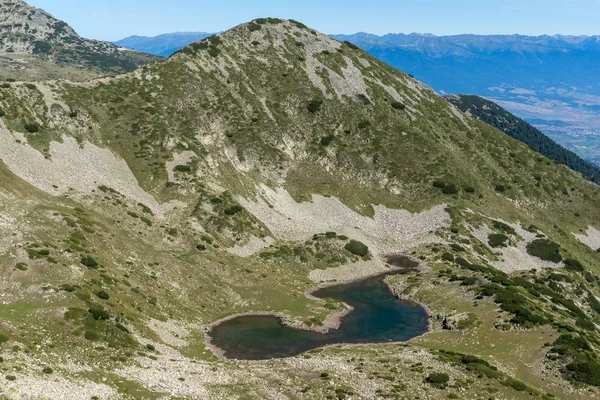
x,y
389,231
590,239
54,387
351,84
80,167
512,258
170,332
253,246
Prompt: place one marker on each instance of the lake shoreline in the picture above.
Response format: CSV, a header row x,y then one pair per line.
x,y
333,320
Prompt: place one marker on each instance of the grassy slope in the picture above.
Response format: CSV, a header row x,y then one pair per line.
x,y
212,103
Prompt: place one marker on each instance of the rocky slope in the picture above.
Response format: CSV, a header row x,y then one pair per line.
x,y
138,209
32,36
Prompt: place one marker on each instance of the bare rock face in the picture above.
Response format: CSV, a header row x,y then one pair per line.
x,y
29,36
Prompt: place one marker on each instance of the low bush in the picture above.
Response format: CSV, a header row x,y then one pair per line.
x,y
3,337
351,45
497,240
234,210
89,262
314,105
502,227
103,295
573,265
357,248
450,189
32,127
438,379
439,184
398,106
92,335
500,188
545,249
252,27
364,124
586,372
326,140
183,168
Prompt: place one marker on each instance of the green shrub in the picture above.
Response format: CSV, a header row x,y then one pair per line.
x,y
585,324
98,312
398,106
3,337
357,248
150,347
573,265
450,189
2,113
314,105
517,385
73,114
89,262
32,127
103,295
11,378
439,184
200,247
30,86
438,379
252,27
213,51
92,335
47,370
469,189
501,226
545,249
497,240
183,168
500,188
326,140
234,209
586,372
21,266
351,45
364,124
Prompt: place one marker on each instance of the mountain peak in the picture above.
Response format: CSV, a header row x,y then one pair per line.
x,y
32,36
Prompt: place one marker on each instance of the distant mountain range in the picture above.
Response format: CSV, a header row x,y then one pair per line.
x,y
162,45
553,82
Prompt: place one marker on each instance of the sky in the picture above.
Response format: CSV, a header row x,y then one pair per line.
x,y
116,19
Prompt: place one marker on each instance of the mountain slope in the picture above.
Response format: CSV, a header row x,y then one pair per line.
x,y
162,45
492,114
549,81
139,209
32,36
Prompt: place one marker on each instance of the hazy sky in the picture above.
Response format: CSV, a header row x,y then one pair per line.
x,y
115,19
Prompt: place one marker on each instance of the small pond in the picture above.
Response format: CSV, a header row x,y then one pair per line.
x,y
378,317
